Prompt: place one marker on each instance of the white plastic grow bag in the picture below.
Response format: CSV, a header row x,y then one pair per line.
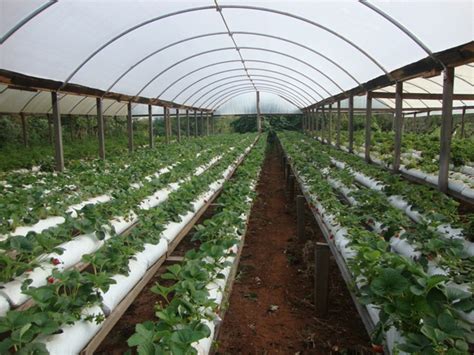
x,y
4,306
73,337
123,285
152,252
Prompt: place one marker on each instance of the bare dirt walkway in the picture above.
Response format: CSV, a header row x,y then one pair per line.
x,y
271,310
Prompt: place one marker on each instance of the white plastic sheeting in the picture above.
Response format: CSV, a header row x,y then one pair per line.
x,y
326,47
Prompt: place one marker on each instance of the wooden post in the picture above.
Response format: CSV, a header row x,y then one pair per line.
x,y
100,128
338,124
291,187
58,138
167,124
188,127
50,128
213,123
463,117
195,124
151,136
259,119
24,128
329,124
201,126
398,125
351,124
368,124
207,123
446,129
300,202
130,127
178,122
323,123
321,279
428,120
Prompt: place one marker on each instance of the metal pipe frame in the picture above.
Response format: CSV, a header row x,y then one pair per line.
x,y
238,69
277,90
210,100
289,87
245,91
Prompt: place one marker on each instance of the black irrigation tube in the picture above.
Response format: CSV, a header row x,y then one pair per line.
x,y
346,274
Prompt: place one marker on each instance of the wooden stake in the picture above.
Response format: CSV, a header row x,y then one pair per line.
x,y
151,135
321,279
178,122
351,124
100,128
446,129
58,138
338,124
368,124
188,127
300,203
24,128
398,125
130,127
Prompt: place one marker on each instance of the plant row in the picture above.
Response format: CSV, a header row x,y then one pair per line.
x,y
69,309
416,311
191,293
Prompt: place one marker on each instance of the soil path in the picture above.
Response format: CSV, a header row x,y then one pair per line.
x,y
271,310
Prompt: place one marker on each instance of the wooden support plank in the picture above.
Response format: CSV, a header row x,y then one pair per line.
x,y
398,127
463,117
167,124
291,187
24,128
420,96
58,137
446,129
151,134
338,124
100,128
368,124
188,126
321,279
178,123
195,124
130,127
351,124
452,57
259,118
300,221
329,124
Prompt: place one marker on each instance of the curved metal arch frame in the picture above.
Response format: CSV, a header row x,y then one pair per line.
x,y
217,95
240,69
238,92
195,55
301,96
238,61
255,76
220,7
339,66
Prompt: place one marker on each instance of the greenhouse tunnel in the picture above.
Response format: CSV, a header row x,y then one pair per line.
x,y
303,168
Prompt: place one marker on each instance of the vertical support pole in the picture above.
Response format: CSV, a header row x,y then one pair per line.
x,y
323,123
329,124
201,128
58,138
321,279
100,128
259,119
50,128
291,187
213,124
300,202
428,120
463,117
23,128
398,125
207,123
351,124
178,122
368,124
167,124
130,127
151,136
338,124
446,129
188,127
195,124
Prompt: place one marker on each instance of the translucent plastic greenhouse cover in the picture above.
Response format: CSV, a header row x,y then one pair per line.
x,y
211,54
